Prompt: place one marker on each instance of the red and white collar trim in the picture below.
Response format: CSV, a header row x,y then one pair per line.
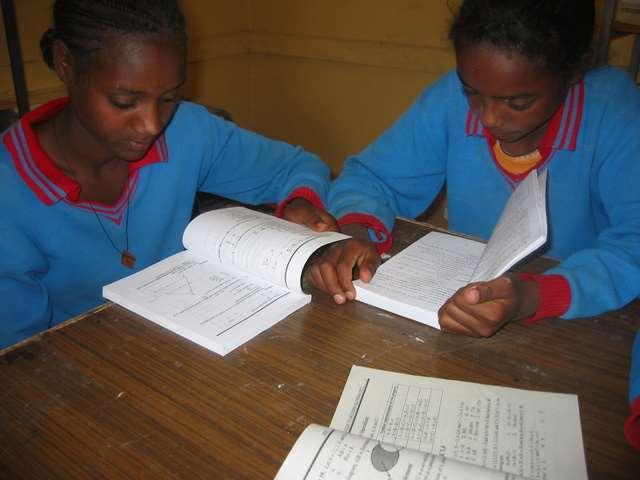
x,y
47,181
562,132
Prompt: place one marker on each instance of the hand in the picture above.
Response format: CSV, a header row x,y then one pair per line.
x,y
333,272
481,309
305,213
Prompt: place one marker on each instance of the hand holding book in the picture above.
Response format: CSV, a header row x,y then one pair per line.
x,y
456,282
481,309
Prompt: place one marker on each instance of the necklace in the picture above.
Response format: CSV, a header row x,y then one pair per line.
x,y
126,257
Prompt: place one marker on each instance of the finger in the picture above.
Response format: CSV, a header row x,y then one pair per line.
x,y
344,270
314,221
315,277
331,282
468,318
367,266
450,325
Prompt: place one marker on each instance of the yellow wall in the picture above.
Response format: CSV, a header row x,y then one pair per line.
x,y
330,75
218,67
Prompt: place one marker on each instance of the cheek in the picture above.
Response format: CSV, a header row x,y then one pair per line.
x,y
532,119
166,112
474,104
109,125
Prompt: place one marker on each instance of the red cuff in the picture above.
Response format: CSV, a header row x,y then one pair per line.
x,y
300,192
555,295
632,425
383,236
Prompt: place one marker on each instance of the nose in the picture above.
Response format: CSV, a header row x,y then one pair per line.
x,y
490,113
149,120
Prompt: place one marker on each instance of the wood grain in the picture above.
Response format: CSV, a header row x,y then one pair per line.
x,y
111,395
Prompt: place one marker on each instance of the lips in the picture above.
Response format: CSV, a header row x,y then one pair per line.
x,y
140,145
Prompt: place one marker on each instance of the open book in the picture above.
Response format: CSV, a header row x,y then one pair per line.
x,y
392,425
416,282
239,275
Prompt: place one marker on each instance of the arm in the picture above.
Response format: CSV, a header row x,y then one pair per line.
x,y
401,172
250,168
604,274
597,185
26,309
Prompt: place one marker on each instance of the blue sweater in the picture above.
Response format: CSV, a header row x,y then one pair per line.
x,y
593,194
55,255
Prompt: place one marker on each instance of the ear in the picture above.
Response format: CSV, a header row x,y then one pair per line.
x,y
63,62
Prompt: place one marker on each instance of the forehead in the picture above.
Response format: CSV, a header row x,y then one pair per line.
x,y
498,72
139,63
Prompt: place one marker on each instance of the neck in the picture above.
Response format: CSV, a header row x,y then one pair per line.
x,y
77,152
103,178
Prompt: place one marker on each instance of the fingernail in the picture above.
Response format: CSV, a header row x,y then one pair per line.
x,y
350,295
338,298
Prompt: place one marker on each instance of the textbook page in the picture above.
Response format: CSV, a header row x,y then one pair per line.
x,y
520,231
266,246
322,453
535,435
212,305
415,282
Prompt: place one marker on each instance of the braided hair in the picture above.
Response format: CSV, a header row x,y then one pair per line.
x,y
84,25
555,34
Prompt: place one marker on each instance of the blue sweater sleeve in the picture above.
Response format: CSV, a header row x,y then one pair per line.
x,y
26,309
248,167
401,172
606,276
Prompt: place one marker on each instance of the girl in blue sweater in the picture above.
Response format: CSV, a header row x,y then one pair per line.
x,y
522,97
102,183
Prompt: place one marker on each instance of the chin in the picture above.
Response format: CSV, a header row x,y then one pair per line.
x,y
130,157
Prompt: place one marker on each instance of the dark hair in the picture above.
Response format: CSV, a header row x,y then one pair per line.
x,y
84,25
556,34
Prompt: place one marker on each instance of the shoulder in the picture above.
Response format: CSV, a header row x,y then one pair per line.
x,y
9,180
189,116
612,87
18,204
443,97
445,87
195,129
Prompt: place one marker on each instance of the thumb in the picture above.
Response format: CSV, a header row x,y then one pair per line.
x,y
367,267
479,293
472,294
498,288
328,220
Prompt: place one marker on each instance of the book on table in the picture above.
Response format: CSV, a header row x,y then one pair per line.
x,y
393,425
416,282
239,275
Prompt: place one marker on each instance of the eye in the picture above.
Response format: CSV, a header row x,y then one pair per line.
x,y
172,99
519,104
467,92
122,104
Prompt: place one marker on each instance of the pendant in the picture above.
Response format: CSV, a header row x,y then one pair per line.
x,y
127,259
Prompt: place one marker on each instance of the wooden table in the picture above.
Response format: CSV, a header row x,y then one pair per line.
x,y
110,395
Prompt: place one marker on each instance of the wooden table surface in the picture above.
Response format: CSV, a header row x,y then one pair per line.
x,y
111,395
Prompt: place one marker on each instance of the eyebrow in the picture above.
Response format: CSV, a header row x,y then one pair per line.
x,y
126,91
498,97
